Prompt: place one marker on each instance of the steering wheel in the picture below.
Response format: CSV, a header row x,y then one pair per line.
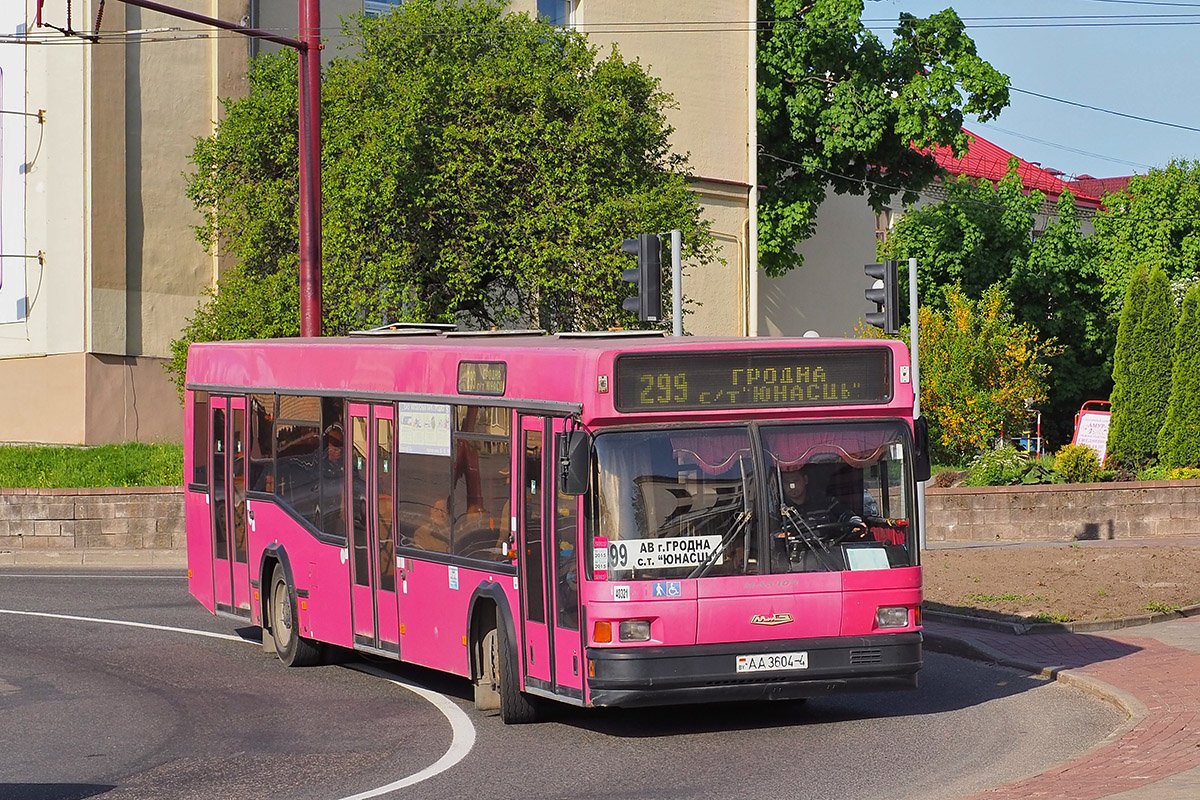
x,y
847,529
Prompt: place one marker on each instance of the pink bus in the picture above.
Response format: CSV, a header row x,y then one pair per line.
x,y
611,519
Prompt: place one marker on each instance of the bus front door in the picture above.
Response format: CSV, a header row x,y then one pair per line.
x,y
231,574
549,606
373,552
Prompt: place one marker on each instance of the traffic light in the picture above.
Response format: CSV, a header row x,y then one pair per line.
x,y
885,294
647,276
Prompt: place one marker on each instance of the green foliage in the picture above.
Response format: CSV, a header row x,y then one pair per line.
x,y
1179,438
1077,463
1004,466
1183,474
1142,371
973,239
132,464
838,109
979,366
485,177
980,236
1156,221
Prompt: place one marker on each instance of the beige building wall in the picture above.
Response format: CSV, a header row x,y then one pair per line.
x,y
825,295
707,65
105,204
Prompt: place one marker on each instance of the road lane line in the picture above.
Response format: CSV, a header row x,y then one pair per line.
x,y
461,727
123,622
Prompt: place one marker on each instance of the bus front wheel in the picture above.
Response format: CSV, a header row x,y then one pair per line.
x,y
516,707
293,649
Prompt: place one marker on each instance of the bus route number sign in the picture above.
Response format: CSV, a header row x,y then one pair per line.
x,y
482,377
753,379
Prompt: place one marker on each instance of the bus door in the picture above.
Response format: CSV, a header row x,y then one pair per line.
x,y
551,652
373,552
231,574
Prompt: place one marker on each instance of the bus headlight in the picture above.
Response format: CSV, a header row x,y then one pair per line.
x,y
891,617
635,630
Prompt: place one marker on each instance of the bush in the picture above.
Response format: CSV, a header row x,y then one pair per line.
x,y
1077,463
1003,466
1183,474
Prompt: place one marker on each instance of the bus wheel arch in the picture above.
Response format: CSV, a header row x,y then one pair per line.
x,y
280,614
494,653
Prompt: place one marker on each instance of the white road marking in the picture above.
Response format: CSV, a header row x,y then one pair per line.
x,y
463,731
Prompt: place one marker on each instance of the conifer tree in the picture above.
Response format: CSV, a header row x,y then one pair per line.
x,y
1120,447
1147,375
1179,439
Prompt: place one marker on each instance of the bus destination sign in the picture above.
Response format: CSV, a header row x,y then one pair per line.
x,y
482,377
753,379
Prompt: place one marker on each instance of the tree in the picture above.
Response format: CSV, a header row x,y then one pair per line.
x,y
1142,370
485,177
979,366
836,108
1179,439
980,235
973,239
1057,289
1155,221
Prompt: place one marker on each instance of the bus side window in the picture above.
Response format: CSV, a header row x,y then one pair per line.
x,y
200,438
423,514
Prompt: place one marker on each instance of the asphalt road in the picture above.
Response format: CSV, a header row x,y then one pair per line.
x,y
95,709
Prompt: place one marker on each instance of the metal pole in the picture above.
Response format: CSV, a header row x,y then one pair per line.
x,y
308,48
914,348
310,167
677,282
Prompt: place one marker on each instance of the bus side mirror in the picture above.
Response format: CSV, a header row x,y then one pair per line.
x,y
922,464
574,462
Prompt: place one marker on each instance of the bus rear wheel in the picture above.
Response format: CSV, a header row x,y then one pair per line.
x,y
293,649
516,707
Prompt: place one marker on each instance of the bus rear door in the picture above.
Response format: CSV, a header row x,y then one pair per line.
x,y
549,606
373,562
231,578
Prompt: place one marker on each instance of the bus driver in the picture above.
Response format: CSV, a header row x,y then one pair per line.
x,y
800,508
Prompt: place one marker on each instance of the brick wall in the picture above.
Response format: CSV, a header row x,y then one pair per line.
x,y
1072,512
133,518
151,518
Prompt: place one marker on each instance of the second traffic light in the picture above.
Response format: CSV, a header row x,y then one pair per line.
x,y
647,276
885,294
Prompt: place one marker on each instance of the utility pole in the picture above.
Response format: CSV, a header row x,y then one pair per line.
x,y
308,48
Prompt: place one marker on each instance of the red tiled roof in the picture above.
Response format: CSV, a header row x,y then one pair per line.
x,y
985,159
1098,187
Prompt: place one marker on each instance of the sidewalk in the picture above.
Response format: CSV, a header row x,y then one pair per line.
x,y
1152,671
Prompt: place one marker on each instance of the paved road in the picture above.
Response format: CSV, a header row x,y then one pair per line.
x,y
90,709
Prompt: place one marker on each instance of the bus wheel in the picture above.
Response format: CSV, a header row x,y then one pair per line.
x,y
293,649
516,707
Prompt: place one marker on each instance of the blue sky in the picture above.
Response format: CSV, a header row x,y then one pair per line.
x,y
1145,70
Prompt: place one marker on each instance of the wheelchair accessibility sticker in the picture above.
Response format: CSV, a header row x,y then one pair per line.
x,y
668,589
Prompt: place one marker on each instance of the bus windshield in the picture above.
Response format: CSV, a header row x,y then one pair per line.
x,y
738,500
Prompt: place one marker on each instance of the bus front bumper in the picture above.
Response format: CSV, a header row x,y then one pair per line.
x,y
650,676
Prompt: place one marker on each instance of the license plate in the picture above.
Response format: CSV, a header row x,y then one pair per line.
x,y
770,662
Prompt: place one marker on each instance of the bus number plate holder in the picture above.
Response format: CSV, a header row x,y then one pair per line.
x,y
772,662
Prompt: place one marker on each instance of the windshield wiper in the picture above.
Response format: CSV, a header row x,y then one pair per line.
x,y
743,519
807,535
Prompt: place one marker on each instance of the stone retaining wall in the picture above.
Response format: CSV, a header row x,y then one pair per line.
x,y
131,518
1071,512
151,518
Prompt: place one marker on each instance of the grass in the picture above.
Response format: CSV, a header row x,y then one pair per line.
x,y
131,464
1007,597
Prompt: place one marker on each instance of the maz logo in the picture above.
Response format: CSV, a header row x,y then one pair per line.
x,y
773,619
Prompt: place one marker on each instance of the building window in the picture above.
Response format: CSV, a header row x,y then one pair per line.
x,y
883,223
373,8
559,12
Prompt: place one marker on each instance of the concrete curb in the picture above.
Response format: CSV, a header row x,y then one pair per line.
x,y
1134,709
107,558
1019,628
